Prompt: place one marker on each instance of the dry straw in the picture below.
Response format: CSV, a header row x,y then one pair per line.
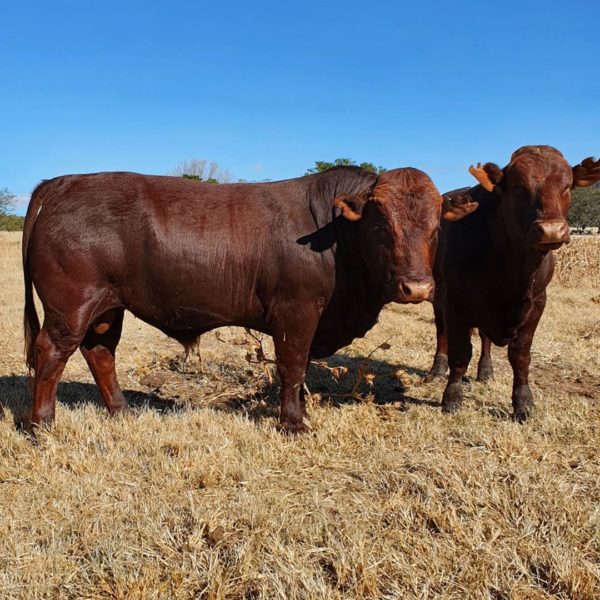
x,y
578,263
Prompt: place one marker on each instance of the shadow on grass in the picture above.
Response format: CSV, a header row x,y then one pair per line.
x,y
16,397
385,389
260,401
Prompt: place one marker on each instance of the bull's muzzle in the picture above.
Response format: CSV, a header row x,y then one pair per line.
x,y
416,290
551,233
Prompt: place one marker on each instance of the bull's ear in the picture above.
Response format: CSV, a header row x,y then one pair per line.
x,y
488,175
351,206
587,173
457,207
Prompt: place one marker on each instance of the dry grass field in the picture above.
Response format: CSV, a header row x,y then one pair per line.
x,y
196,495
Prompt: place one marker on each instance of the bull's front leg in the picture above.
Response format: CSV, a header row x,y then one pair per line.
x,y
292,337
519,355
459,357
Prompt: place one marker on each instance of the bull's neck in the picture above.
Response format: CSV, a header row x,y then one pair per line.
x,y
520,262
363,279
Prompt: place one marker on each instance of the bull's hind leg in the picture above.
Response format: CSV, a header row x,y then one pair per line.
x,y
440,361
53,346
485,367
98,348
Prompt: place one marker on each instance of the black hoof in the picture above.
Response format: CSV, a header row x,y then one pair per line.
x,y
522,404
292,428
438,369
485,373
432,376
120,409
452,398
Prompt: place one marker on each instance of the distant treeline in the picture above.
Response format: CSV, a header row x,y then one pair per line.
x,y
11,223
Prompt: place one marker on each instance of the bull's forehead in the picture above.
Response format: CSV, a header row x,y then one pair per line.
x,y
413,212
536,169
405,186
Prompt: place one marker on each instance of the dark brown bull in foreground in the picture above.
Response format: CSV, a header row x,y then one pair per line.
x,y
492,268
188,257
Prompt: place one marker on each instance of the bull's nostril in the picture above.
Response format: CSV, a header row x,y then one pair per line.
x,y
417,290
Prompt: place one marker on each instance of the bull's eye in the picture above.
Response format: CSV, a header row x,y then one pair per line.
x,y
520,190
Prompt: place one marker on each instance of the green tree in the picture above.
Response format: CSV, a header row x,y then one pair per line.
x,y
323,165
202,170
6,201
9,222
369,166
585,207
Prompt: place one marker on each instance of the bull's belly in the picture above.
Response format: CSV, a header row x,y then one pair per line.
x,y
206,309
500,330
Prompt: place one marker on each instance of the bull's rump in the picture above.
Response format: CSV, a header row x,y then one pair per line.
x,y
177,253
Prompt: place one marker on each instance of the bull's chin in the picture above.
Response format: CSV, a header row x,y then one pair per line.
x,y
546,247
402,299
395,295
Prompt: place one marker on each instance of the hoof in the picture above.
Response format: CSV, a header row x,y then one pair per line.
x,y
522,404
122,409
432,376
289,428
452,398
43,421
520,416
449,408
438,369
485,374
30,428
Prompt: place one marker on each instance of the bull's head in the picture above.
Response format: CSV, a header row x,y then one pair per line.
x,y
535,193
399,220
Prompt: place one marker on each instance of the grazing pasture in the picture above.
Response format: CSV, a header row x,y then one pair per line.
x,y
196,495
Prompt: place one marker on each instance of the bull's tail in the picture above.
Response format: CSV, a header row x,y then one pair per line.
x,y
31,321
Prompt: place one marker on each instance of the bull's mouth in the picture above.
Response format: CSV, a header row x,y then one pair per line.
x,y
550,234
404,301
547,246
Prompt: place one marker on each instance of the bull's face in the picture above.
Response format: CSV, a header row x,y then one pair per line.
x,y
535,193
399,221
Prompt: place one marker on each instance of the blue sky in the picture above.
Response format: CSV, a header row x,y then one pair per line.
x,y
267,88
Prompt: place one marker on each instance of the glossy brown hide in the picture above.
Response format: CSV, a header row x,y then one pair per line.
x,y
492,268
188,257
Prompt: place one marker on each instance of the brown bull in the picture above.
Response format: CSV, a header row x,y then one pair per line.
x,y
310,261
492,268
